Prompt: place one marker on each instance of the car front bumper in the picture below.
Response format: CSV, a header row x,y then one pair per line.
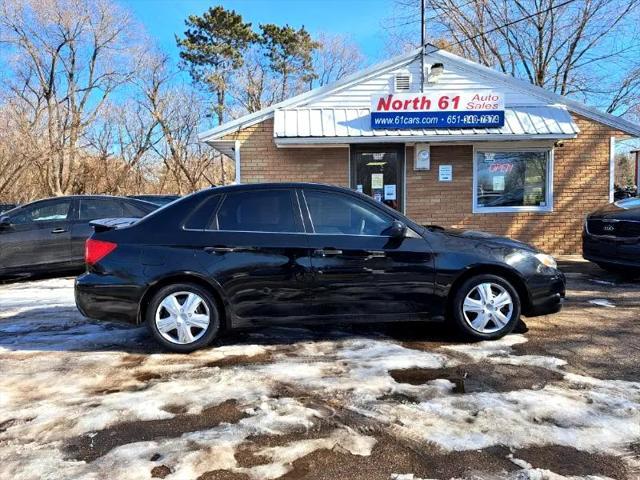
x,y
103,297
547,293
621,252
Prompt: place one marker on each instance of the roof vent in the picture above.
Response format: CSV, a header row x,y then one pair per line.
x,y
402,82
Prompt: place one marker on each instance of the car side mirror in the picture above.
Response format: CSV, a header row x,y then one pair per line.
x,y
397,230
5,222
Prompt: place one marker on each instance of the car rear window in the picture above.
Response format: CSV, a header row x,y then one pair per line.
x,y
92,209
136,211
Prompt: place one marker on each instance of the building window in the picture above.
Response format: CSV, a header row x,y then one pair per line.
x,y
513,181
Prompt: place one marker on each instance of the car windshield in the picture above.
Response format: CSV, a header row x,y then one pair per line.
x,y
628,203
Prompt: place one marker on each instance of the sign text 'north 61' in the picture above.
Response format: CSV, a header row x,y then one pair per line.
x,y
438,109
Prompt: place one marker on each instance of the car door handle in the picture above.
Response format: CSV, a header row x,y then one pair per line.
x,y
325,252
58,230
377,253
219,249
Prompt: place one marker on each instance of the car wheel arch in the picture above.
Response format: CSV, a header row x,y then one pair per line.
x,y
508,274
186,277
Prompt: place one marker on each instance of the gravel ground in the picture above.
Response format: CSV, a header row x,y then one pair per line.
x,y
558,399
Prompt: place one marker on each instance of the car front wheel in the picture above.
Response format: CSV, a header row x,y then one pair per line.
x,y
183,317
486,307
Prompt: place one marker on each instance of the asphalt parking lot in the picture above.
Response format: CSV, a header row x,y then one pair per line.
x,y
559,399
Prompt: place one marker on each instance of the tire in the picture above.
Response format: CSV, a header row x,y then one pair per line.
x,y
201,319
498,321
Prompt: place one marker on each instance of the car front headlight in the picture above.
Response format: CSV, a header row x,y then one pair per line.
x,y
546,260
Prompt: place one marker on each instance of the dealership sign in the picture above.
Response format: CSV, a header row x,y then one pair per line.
x,y
438,109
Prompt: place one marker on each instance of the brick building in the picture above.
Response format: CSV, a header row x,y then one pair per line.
x,y
444,140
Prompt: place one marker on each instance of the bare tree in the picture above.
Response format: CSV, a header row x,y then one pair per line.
x,y
584,48
67,58
179,111
17,154
254,86
121,142
336,57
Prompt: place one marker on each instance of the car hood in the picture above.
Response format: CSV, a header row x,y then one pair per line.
x,y
485,236
612,211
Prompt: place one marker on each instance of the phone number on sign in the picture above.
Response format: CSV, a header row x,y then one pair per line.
x,y
472,119
437,120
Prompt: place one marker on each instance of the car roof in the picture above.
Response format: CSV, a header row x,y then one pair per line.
x,y
86,197
263,185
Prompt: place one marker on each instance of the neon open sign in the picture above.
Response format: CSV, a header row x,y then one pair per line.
x,y
438,109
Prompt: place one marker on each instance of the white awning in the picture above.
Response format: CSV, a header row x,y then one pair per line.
x,y
353,125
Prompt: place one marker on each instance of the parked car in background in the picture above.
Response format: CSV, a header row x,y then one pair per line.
x,y
611,237
5,207
262,254
160,200
49,235
621,193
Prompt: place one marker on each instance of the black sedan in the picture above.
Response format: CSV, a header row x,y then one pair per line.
x,y
611,237
246,255
49,235
5,207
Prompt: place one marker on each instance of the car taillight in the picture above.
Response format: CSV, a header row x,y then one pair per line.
x,y
96,250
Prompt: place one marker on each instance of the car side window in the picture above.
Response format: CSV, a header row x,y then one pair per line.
x,y
203,217
338,214
46,212
94,208
260,211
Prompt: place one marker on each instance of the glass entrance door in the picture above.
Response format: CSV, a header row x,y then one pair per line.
x,y
378,171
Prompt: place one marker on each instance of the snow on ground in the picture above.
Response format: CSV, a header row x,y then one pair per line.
x,y
602,302
66,378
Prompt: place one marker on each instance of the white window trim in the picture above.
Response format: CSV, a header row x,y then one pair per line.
x,y
549,187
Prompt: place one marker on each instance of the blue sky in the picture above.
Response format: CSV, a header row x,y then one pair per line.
x,y
361,19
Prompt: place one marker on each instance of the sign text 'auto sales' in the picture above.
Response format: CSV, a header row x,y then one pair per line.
x,y
438,109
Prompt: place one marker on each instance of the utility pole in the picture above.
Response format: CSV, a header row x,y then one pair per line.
x,y
423,35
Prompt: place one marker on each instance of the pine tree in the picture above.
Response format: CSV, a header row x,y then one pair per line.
x,y
213,47
290,54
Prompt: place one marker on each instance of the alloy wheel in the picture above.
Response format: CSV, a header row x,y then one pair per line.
x,y
487,308
182,317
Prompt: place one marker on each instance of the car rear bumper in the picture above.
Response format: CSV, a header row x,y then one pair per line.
x,y
104,297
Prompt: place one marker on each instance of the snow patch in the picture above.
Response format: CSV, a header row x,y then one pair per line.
x,y
65,377
602,302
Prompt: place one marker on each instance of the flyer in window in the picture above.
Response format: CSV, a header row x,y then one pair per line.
x,y
377,180
390,192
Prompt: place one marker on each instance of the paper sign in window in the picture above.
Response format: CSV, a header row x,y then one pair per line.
x,y
498,183
390,192
377,180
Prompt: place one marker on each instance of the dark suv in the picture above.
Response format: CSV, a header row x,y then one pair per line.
x,y
611,237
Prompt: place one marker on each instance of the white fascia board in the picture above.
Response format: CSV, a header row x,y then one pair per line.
x,y
306,97
572,105
471,138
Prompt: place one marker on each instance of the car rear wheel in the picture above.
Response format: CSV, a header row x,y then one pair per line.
x,y
486,307
183,317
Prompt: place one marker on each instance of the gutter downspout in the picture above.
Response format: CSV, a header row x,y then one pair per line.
x,y
236,157
612,168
